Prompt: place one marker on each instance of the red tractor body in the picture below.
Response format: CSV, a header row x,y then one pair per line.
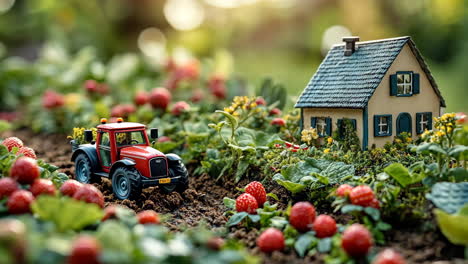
x,y
122,152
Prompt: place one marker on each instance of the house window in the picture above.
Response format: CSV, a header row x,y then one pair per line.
x,y
341,124
404,83
322,124
423,122
382,125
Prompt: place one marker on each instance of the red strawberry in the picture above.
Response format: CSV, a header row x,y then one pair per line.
x,y
215,243
19,202
25,170
361,195
141,98
27,152
324,226
89,194
51,100
91,86
356,240
302,216
103,88
461,118
85,249
257,190
389,256
164,139
69,187
275,111
42,186
148,217
160,98
7,187
110,212
128,109
278,122
12,142
246,203
217,86
179,108
260,101
344,190
271,240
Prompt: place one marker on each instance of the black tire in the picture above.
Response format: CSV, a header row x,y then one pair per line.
x,y
83,170
126,183
178,169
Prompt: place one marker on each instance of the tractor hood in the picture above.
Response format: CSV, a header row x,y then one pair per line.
x,y
145,152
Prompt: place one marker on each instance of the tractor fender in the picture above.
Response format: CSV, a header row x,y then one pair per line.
x,y
120,163
91,153
173,157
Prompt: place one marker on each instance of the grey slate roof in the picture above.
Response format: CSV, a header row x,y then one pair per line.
x,y
349,81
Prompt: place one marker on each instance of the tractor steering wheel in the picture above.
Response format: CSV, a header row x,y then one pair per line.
x,y
136,141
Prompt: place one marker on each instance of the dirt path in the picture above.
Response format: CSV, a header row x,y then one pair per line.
x,y
203,203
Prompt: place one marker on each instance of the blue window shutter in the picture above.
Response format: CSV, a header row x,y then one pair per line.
x,y
390,125
376,126
418,123
353,121
429,121
415,83
340,127
313,122
393,85
329,126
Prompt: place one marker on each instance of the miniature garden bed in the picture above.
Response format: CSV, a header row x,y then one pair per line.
x,y
203,203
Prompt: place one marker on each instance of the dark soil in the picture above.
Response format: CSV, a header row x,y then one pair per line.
x,y
203,203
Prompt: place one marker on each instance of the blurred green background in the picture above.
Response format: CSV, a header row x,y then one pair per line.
x,y
284,39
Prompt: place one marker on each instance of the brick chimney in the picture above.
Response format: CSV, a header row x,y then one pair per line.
x,y
350,46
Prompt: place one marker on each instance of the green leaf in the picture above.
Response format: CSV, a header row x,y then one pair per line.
x,y
66,213
303,243
373,213
351,208
254,218
115,236
383,226
274,196
454,227
324,245
464,210
291,186
459,174
236,219
449,196
229,203
401,174
232,120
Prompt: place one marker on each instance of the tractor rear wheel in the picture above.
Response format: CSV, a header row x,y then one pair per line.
x,y
125,183
83,171
175,170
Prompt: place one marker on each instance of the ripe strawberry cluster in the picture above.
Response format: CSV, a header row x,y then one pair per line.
x,y
360,195
253,198
52,100
14,142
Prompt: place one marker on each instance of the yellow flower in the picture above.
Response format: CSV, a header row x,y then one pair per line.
x,y
408,140
398,140
449,129
72,101
326,151
329,140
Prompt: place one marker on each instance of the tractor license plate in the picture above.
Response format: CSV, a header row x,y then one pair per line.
x,y
164,180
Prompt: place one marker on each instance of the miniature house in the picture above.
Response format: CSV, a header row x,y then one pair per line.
x,y
384,87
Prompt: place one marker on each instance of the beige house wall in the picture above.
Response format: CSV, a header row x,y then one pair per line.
x,y
381,103
334,114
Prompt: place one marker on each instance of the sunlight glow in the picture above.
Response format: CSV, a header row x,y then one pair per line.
x,y
5,5
184,14
333,35
152,43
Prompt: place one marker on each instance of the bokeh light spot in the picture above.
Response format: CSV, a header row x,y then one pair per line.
x,y
152,43
6,5
184,14
333,35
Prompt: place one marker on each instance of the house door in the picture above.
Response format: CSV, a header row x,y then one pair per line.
x,y
404,123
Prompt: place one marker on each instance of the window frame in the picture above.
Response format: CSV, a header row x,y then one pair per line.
x,y
403,84
419,120
377,125
340,125
327,128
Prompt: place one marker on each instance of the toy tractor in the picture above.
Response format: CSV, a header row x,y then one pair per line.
x,y
122,153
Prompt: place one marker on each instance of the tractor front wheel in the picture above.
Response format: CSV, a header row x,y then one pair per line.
x,y
83,171
125,184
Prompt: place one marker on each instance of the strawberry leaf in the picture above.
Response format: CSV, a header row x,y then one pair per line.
x,y
229,203
303,243
324,245
236,219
